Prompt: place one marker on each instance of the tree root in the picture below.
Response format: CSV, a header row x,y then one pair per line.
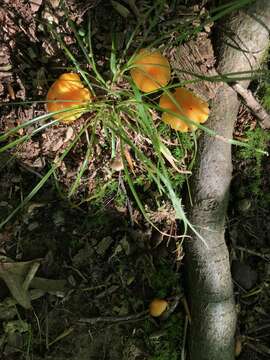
x,y
208,270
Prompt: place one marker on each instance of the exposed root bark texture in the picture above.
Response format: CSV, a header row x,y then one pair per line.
x,y
208,269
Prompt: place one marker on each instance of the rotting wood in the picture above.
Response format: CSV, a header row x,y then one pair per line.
x,y
208,270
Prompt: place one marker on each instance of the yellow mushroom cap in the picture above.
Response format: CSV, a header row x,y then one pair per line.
x,y
67,87
189,105
151,70
157,307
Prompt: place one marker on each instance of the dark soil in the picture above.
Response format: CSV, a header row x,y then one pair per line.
x,y
248,233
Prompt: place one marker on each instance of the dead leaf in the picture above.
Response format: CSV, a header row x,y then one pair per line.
x,y
17,276
121,9
51,286
69,134
129,159
168,155
35,5
55,3
11,91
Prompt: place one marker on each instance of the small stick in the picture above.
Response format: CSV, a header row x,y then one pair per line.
x,y
186,307
114,319
173,302
265,257
183,352
253,105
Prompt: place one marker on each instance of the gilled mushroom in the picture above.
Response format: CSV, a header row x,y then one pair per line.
x,y
151,70
187,104
67,87
157,307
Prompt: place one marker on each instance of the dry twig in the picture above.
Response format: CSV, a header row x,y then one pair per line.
x,y
253,105
115,319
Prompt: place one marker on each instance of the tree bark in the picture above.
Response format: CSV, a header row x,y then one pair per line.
x,y
208,269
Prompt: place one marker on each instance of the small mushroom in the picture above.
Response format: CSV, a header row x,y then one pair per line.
x,y
157,307
151,70
117,164
67,87
187,104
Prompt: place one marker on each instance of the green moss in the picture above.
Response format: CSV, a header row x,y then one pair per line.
x,y
258,139
164,279
166,343
266,97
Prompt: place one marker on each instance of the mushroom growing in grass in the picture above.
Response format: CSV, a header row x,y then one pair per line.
x,y
183,102
67,92
151,70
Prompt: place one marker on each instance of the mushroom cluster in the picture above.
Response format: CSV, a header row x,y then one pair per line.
x,y
150,72
67,92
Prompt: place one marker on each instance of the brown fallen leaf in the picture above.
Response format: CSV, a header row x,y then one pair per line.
x,y
20,276
35,5
11,91
129,159
17,276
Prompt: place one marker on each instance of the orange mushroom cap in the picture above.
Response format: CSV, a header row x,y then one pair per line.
x,y
67,87
157,307
188,105
151,70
